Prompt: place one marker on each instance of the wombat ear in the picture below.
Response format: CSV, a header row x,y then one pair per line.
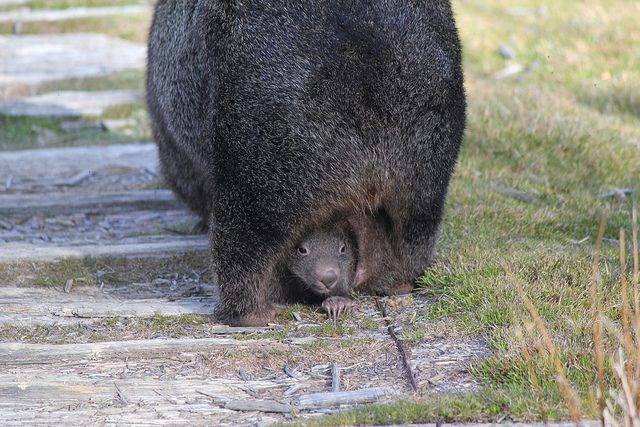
x,y
360,277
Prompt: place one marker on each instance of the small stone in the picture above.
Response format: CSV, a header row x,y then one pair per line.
x,y
508,71
506,52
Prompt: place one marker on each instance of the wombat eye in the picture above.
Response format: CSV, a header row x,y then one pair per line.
x,y
302,250
343,249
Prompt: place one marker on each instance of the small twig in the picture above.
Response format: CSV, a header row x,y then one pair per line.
x,y
242,373
120,394
215,398
77,179
335,377
292,390
292,373
399,344
67,286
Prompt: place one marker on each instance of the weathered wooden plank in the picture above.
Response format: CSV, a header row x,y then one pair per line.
x,y
26,306
167,414
132,400
141,246
20,354
45,15
64,56
64,388
68,161
63,203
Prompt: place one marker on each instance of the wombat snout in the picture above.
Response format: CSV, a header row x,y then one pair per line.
x,y
328,277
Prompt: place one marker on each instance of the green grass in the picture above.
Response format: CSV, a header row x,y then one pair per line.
x,y
486,406
18,133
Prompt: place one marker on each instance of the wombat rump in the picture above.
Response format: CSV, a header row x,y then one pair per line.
x,y
277,118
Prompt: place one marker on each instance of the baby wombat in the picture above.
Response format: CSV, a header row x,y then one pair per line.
x,y
274,118
323,266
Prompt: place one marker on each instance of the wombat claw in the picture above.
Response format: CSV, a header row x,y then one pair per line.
x,y
335,306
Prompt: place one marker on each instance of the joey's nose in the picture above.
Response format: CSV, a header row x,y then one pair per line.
x,y
329,278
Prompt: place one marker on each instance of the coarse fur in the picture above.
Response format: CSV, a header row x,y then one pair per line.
x,y
277,117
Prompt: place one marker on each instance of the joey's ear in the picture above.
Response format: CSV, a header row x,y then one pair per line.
x,y
360,278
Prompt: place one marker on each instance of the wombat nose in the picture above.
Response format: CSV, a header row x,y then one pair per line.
x,y
329,278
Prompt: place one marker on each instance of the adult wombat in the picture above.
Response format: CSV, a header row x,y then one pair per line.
x,y
276,118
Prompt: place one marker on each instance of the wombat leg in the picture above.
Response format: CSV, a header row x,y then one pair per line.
x,y
401,288
336,305
260,317
245,249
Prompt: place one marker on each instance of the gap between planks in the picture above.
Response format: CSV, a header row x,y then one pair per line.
x,y
72,202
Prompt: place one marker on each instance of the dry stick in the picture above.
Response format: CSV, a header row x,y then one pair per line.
x,y
626,328
596,325
401,349
636,267
568,393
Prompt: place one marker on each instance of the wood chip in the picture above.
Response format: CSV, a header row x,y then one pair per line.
x,y
68,285
335,377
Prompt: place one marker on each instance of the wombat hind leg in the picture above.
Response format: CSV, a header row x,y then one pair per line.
x,y
336,305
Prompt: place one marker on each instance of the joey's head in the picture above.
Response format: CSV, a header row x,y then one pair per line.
x,y
324,261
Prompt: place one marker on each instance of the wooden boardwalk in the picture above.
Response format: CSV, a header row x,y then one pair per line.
x,y
105,300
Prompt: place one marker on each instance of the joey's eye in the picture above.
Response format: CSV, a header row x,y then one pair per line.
x,y
302,250
343,249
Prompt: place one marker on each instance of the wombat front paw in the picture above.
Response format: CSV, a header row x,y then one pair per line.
x,y
335,306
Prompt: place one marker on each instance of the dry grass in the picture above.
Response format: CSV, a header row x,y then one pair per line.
x,y
620,405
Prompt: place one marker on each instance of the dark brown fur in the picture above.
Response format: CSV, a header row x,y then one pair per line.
x,y
275,118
